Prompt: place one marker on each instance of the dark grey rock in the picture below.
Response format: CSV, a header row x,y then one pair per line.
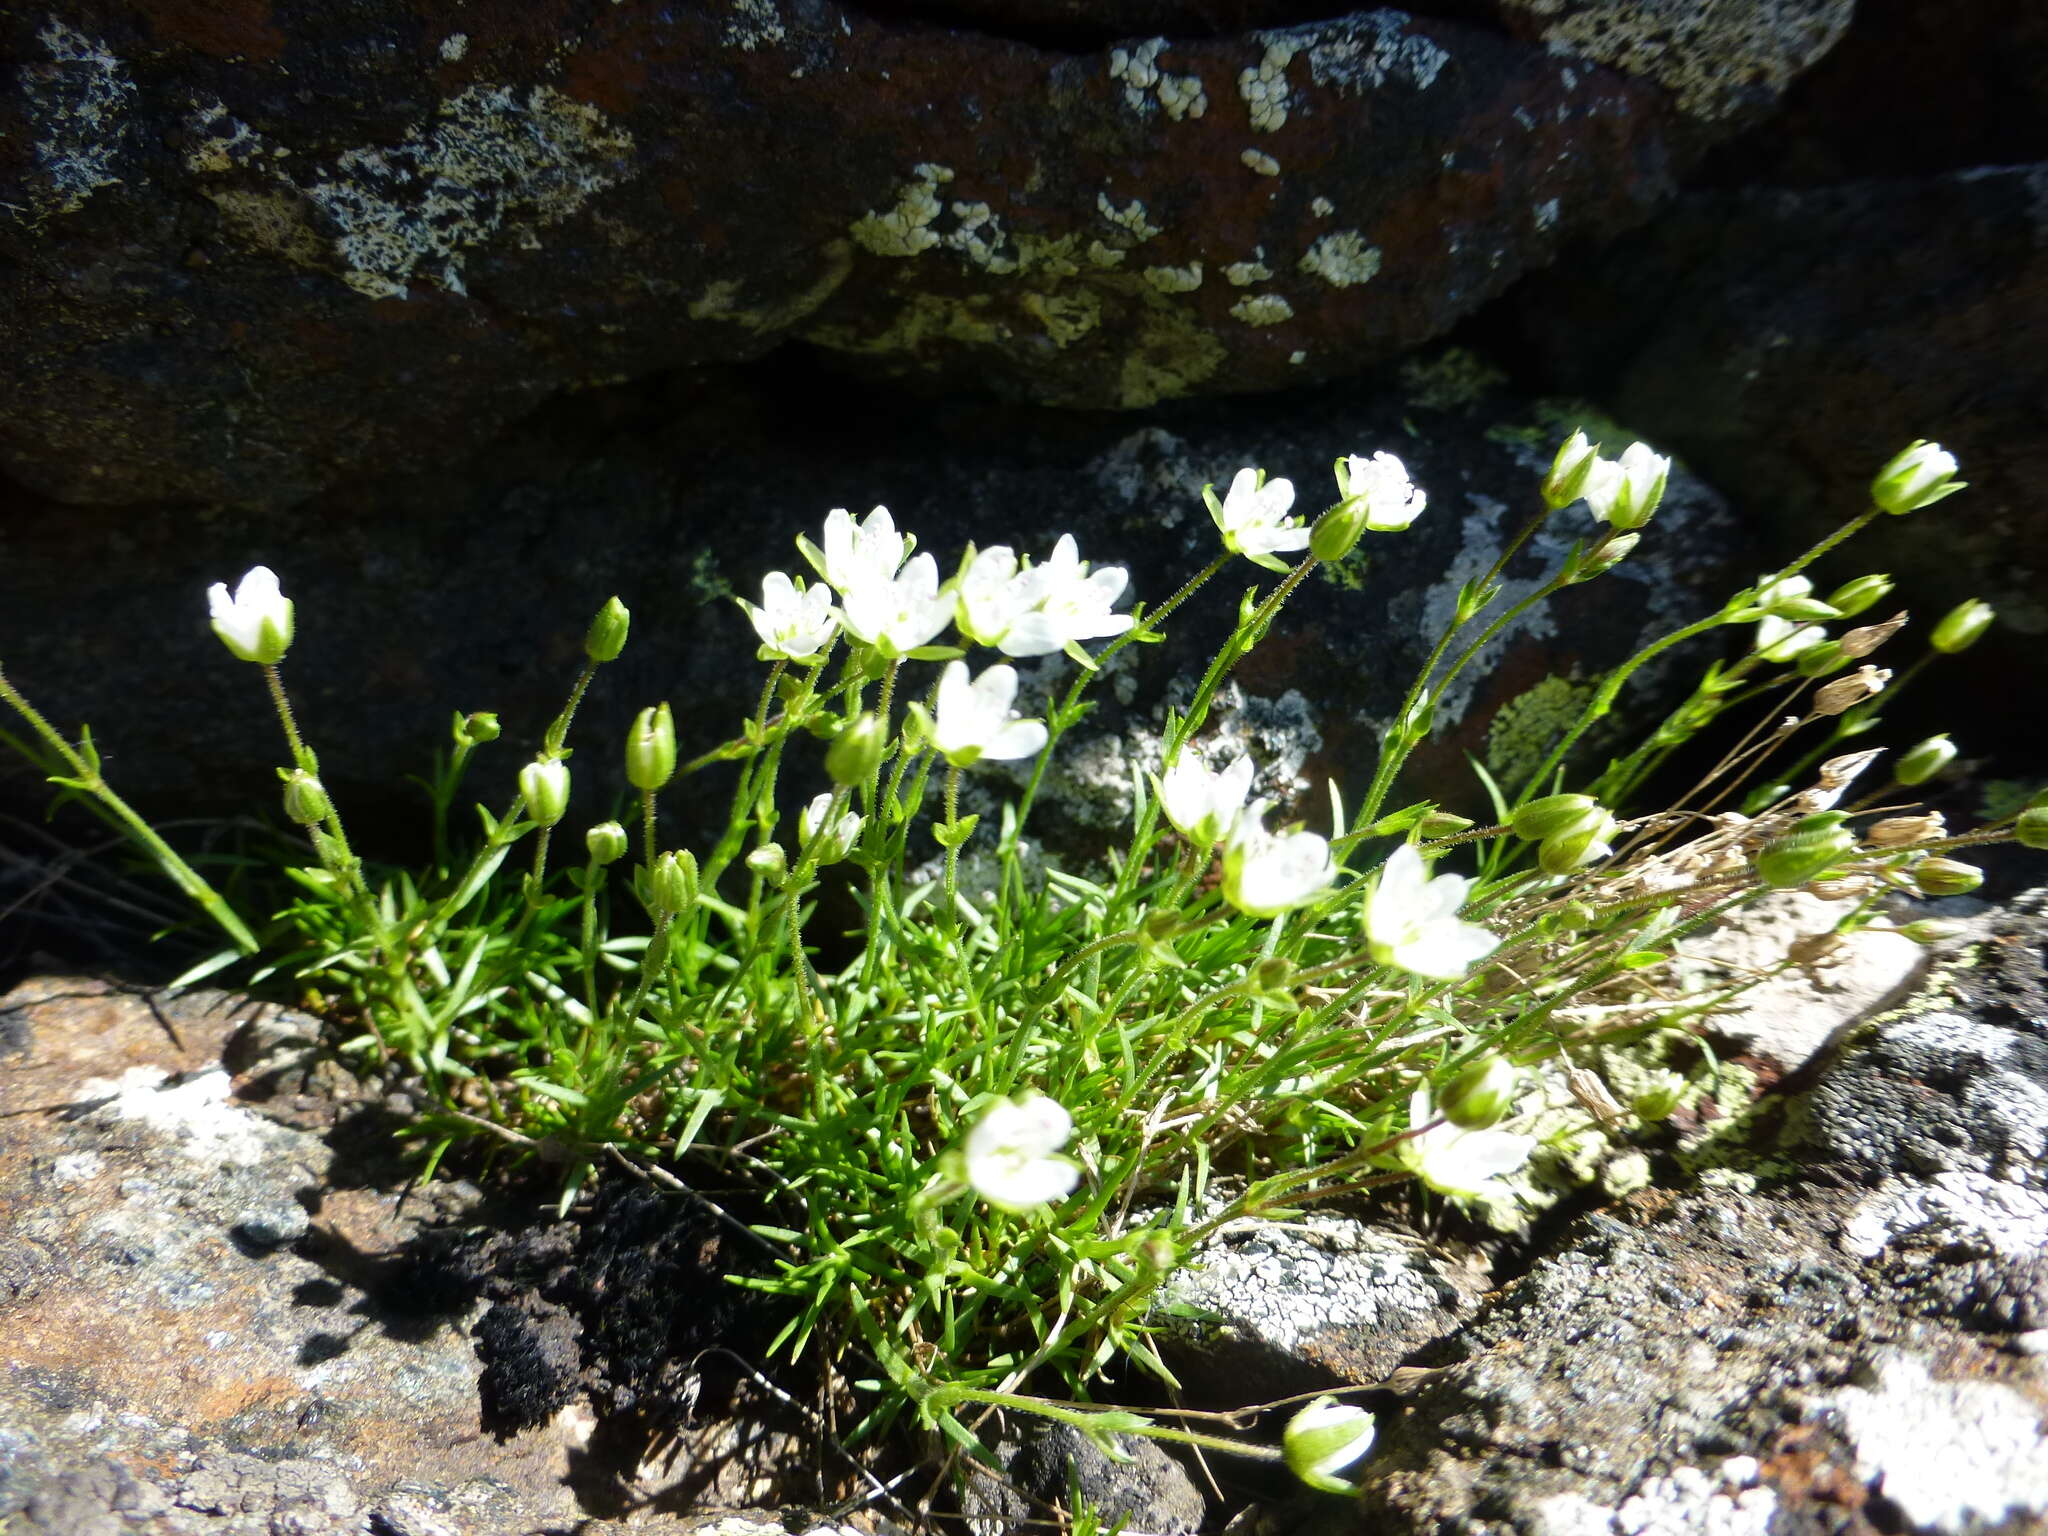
x,y
1149,1492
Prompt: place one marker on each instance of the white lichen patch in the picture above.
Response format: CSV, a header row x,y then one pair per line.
x,y
1130,218
1175,279
217,142
1262,309
1365,51
1260,162
195,1115
1691,1501
905,229
75,106
978,236
1264,85
492,160
1137,67
1949,1455
1242,274
752,24
1956,1205
1712,55
454,46
1342,259
1322,207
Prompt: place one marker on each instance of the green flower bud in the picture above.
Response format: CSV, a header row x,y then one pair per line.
x,y
1569,472
1442,824
1946,877
2032,827
606,842
607,635
1917,478
1808,851
1480,1096
1819,660
544,787
1658,1097
1854,597
1156,1253
1576,847
1961,627
1934,930
770,863
1337,532
651,749
305,800
856,752
1273,976
1924,761
672,884
1551,814
476,729
1325,1438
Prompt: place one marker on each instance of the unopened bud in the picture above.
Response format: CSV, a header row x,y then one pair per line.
x,y
770,863
1337,532
606,842
1569,472
474,730
1323,1439
305,800
1946,877
1933,930
1658,1097
1442,824
2032,827
1900,831
1585,844
544,788
1861,642
856,752
672,883
1961,627
1925,761
1606,555
1807,852
1156,1253
1551,814
1865,682
1860,595
1273,975
1481,1095
651,749
607,634
1917,478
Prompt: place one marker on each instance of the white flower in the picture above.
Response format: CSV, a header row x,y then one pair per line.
x,y
1010,1153
1392,501
974,720
835,839
1202,805
256,623
898,615
1917,478
1265,875
1625,493
1323,1439
1460,1164
1036,610
859,555
990,594
1253,518
1780,640
1412,920
794,622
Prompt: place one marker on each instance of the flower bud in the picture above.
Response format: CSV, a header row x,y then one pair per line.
x,y
827,837
1564,852
1156,1253
1658,1097
1337,532
1323,1439
1899,831
1480,1097
1273,976
544,787
1569,472
1861,642
1442,824
1925,761
1605,556
672,883
651,749
1551,814
607,634
1961,627
255,622
1933,930
1781,640
1791,597
770,863
1917,478
1865,682
1627,500
606,842
2032,827
856,752
1819,660
1946,877
1805,853
305,800
1860,595
474,730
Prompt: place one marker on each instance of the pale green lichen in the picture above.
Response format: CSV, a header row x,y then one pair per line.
x,y
1105,256
1242,274
1260,162
1322,207
1342,259
1259,309
752,24
1138,68
1130,218
1264,87
1524,729
1175,279
1066,316
904,229
721,299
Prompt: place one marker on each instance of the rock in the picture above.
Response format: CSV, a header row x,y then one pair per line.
x,y
250,261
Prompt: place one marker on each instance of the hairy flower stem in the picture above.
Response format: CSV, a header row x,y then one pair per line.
x,y
952,886
85,777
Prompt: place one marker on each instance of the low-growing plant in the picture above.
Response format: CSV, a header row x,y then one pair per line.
x,y
977,1146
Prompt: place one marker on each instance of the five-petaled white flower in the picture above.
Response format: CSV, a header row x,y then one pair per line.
x,y
1458,1163
1412,920
897,615
1011,1154
974,720
1038,609
1202,805
794,622
256,623
1266,874
1253,518
1392,500
834,836
858,555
